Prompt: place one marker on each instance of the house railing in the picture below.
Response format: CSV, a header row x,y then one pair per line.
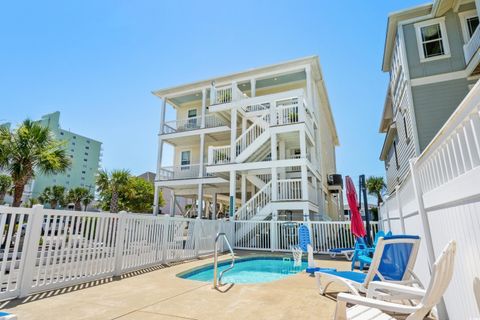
x,y
471,47
189,171
193,123
289,189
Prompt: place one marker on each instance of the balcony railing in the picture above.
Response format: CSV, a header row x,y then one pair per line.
x,y
190,171
471,47
194,123
290,189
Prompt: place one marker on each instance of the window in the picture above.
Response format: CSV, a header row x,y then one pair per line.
x,y
88,141
61,133
432,39
192,118
86,153
87,147
73,143
83,172
185,160
469,23
74,137
396,155
85,160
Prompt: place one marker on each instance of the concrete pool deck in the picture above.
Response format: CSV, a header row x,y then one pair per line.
x,y
160,294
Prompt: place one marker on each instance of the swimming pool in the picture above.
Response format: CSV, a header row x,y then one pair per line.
x,y
248,270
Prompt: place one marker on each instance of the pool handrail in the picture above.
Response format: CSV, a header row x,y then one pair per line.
x,y
218,281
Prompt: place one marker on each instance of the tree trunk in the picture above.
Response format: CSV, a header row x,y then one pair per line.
x,y
53,204
2,197
114,203
17,193
78,206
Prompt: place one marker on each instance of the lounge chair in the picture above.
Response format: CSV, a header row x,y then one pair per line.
x,y
392,261
364,256
7,316
372,309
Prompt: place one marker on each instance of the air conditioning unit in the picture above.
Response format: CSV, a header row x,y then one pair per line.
x,y
335,180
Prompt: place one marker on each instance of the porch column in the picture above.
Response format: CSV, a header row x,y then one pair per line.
x,y
244,188
233,134
160,141
202,155
172,204
282,156
304,182
204,107
303,144
214,209
253,86
155,200
273,150
233,190
200,201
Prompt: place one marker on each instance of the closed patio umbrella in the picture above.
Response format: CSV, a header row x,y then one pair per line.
x,y
356,223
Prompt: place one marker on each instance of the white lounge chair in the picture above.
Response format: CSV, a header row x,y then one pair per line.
x,y
393,261
372,309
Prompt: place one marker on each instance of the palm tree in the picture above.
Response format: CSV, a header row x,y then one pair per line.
x,y
87,200
54,196
113,183
77,196
5,185
28,149
376,186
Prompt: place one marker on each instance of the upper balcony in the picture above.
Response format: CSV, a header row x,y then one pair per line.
x,y
194,123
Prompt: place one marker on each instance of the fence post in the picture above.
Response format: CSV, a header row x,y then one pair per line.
x,y
197,228
30,249
119,244
166,228
273,235
442,309
388,214
400,212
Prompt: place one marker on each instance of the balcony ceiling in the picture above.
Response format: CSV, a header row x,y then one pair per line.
x,y
245,86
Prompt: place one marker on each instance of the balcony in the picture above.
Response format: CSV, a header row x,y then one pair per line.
x,y
194,123
471,47
191,171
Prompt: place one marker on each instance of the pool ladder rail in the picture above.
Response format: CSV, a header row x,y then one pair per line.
x,y
217,281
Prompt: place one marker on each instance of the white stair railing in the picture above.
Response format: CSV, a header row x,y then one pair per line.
x,y
255,204
219,155
258,127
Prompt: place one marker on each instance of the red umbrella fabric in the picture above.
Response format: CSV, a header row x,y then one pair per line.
x,y
358,229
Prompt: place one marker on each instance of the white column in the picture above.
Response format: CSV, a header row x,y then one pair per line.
x,y
303,144
200,201
202,156
156,200
274,184
273,146
304,182
244,124
233,134
204,107
233,190
244,188
253,87
160,141
282,156
172,204
214,208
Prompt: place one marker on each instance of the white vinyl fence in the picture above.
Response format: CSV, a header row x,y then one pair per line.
x,y
44,249
48,249
440,201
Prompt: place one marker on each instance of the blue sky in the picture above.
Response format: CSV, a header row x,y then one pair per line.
x,y
98,61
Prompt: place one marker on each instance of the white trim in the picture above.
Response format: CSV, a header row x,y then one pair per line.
x,y
446,47
438,78
463,22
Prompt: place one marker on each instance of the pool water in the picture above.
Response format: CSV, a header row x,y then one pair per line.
x,y
248,270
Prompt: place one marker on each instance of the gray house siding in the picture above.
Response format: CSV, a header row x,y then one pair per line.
x,y
434,103
455,38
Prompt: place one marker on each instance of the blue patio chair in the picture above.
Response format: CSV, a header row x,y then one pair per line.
x,y
393,261
306,246
361,249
